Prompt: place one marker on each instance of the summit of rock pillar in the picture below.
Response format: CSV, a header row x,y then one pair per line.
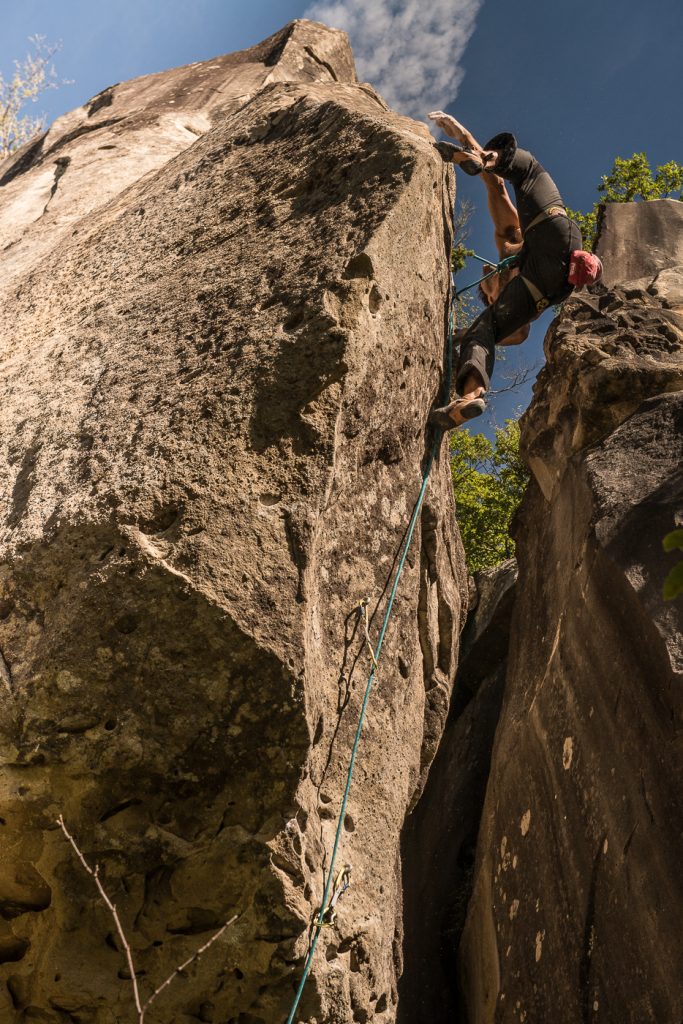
x,y
638,241
614,345
133,128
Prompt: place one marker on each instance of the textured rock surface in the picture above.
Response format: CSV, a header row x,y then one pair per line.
x,y
612,349
218,355
440,836
93,153
640,240
575,915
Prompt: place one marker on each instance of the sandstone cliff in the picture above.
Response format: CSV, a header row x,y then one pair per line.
x,y
578,889
224,293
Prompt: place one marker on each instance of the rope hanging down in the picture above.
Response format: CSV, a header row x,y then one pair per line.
x,y
362,610
498,268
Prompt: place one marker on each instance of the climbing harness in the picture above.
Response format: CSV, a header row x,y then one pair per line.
x,y
552,211
327,901
536,294
498,268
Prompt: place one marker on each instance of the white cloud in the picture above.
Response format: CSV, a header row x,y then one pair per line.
x,y
410,50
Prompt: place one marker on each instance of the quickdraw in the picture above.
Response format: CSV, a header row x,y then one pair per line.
x,y
341,884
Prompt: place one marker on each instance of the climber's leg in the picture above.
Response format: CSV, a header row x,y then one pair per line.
x,y
514,308
464,158
460,411
463,409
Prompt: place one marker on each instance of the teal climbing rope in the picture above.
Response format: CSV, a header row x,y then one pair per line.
x,y
320,921
498,268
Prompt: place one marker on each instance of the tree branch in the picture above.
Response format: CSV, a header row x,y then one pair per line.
x,y
112,910
183,966
95,873
516,378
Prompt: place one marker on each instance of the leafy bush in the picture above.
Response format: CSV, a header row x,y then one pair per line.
x,y
630,180
488,482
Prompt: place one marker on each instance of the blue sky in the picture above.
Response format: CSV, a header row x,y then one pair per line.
x,y
578,82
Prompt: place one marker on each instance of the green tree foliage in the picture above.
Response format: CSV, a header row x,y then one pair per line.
x,y
628,181
467,307
633,179
459,254
462,215
588,226
31,77
673,584
488,482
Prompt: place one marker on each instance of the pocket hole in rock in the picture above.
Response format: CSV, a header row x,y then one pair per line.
x,y
374,299
360,267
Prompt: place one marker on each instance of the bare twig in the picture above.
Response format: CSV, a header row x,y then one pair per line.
x,y
517,379
182,967
95,873
462,215
112,910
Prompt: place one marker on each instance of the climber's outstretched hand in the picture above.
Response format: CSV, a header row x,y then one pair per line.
x,y
453,128
446,123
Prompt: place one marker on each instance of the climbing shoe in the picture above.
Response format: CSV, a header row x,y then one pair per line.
x,y
447,150
469,409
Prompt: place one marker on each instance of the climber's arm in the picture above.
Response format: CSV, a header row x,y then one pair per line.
x,y
506,230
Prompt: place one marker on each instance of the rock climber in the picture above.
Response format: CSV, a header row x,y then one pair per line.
x,y
551,262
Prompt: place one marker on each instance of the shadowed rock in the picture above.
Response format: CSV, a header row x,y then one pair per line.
x,y
440,836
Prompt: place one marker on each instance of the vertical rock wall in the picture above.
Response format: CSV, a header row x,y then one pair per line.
x,y
223,328
440,837
575,915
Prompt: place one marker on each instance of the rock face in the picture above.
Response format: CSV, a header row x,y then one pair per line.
x,y
575,915
640,241
440,836
92,154
224,297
